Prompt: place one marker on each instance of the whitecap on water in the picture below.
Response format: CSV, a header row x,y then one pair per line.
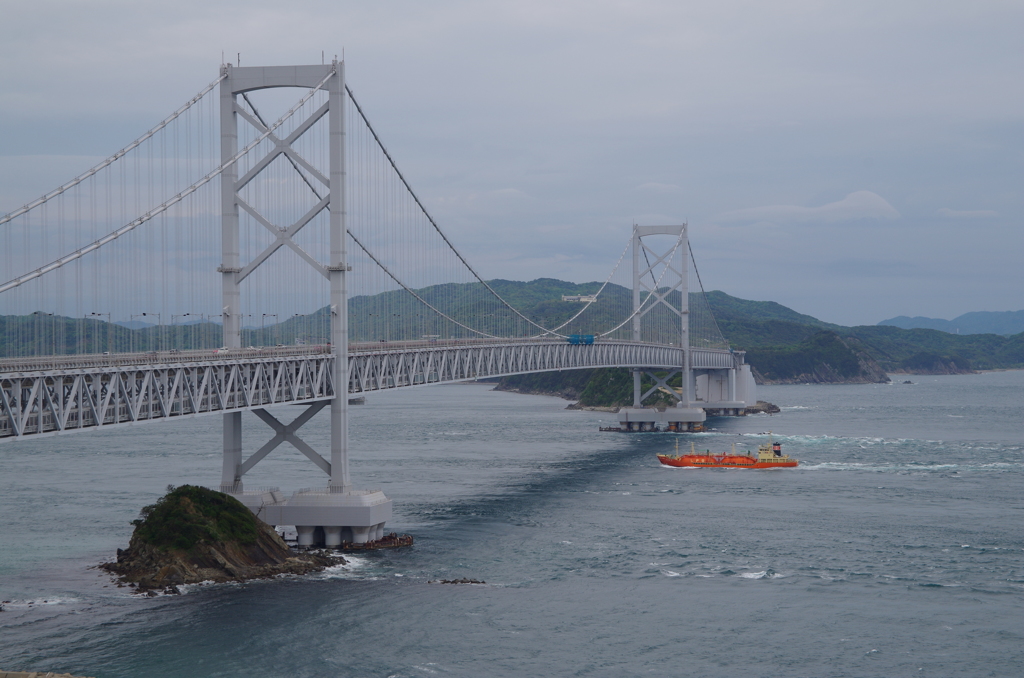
x,y
765,574
353,567
189,588
39,602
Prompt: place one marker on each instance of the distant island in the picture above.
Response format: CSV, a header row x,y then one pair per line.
x,y
1006,323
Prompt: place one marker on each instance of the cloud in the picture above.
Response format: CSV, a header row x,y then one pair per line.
x,y
857,205
947,213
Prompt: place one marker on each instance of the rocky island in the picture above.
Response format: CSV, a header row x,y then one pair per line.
x,y
193,534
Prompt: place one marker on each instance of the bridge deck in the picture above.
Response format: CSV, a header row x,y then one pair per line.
x,y
63,394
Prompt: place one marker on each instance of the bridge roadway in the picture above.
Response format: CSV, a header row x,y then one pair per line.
x,y
65,394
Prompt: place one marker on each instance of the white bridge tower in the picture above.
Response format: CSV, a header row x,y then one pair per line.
x,y
716,383
336,512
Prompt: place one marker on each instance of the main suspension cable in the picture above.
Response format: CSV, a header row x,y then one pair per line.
x,y
599,291
109,161
431,219
413,292
79,253
705,295
650,296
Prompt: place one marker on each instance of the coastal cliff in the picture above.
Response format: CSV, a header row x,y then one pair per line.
x,y
193,534
823,358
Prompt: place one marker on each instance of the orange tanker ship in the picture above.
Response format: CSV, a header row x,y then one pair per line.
x,y
768,456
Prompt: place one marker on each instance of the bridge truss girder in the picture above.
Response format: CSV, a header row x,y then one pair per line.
x,y
72,400
46,397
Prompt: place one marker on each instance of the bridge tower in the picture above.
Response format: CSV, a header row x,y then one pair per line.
x,y
337,512
653,292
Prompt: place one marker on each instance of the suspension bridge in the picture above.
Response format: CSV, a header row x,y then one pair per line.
x,y
320,232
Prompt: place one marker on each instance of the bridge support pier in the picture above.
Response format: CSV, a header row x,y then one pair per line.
x,y
231,479
721,387
329,514
675,419
650,292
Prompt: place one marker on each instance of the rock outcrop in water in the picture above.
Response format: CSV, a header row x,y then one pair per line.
x,y
763,407
194,534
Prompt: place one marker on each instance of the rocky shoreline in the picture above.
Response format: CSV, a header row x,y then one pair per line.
x,y
150,570
582,408
196,535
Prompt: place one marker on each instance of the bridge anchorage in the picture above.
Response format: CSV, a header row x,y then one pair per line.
x,y
404,307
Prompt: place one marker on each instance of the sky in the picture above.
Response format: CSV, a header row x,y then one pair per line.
x,y
854,161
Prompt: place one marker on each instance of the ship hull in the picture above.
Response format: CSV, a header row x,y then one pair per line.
x,y
728,461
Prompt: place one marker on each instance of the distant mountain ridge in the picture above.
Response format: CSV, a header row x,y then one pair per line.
x,y
1005,323
783,345
727,307
769,331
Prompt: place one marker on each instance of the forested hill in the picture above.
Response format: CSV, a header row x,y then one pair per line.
x,y
781,343
784,346
766,329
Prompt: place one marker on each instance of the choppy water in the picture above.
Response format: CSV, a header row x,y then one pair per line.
x,y
895,549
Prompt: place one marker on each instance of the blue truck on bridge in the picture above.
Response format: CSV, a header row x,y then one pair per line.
x,y
578,339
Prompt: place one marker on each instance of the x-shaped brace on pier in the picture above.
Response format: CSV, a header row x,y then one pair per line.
x,y
286,433
660,383
661,297
283,147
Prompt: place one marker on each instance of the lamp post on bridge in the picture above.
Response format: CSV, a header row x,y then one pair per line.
x,y
53,330
174,333
108,326
159,324
393,315
263,322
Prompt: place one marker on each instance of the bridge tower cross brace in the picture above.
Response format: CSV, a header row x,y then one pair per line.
x,y
646,279
237,81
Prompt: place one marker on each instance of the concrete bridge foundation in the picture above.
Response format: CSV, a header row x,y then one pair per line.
x,y
679,419
322,517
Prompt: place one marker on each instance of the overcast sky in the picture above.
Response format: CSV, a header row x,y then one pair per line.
x,y
851,160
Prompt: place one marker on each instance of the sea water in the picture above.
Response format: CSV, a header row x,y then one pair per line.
x,y
895,549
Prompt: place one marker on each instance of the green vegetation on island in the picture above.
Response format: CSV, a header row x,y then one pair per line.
x,y
189,515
